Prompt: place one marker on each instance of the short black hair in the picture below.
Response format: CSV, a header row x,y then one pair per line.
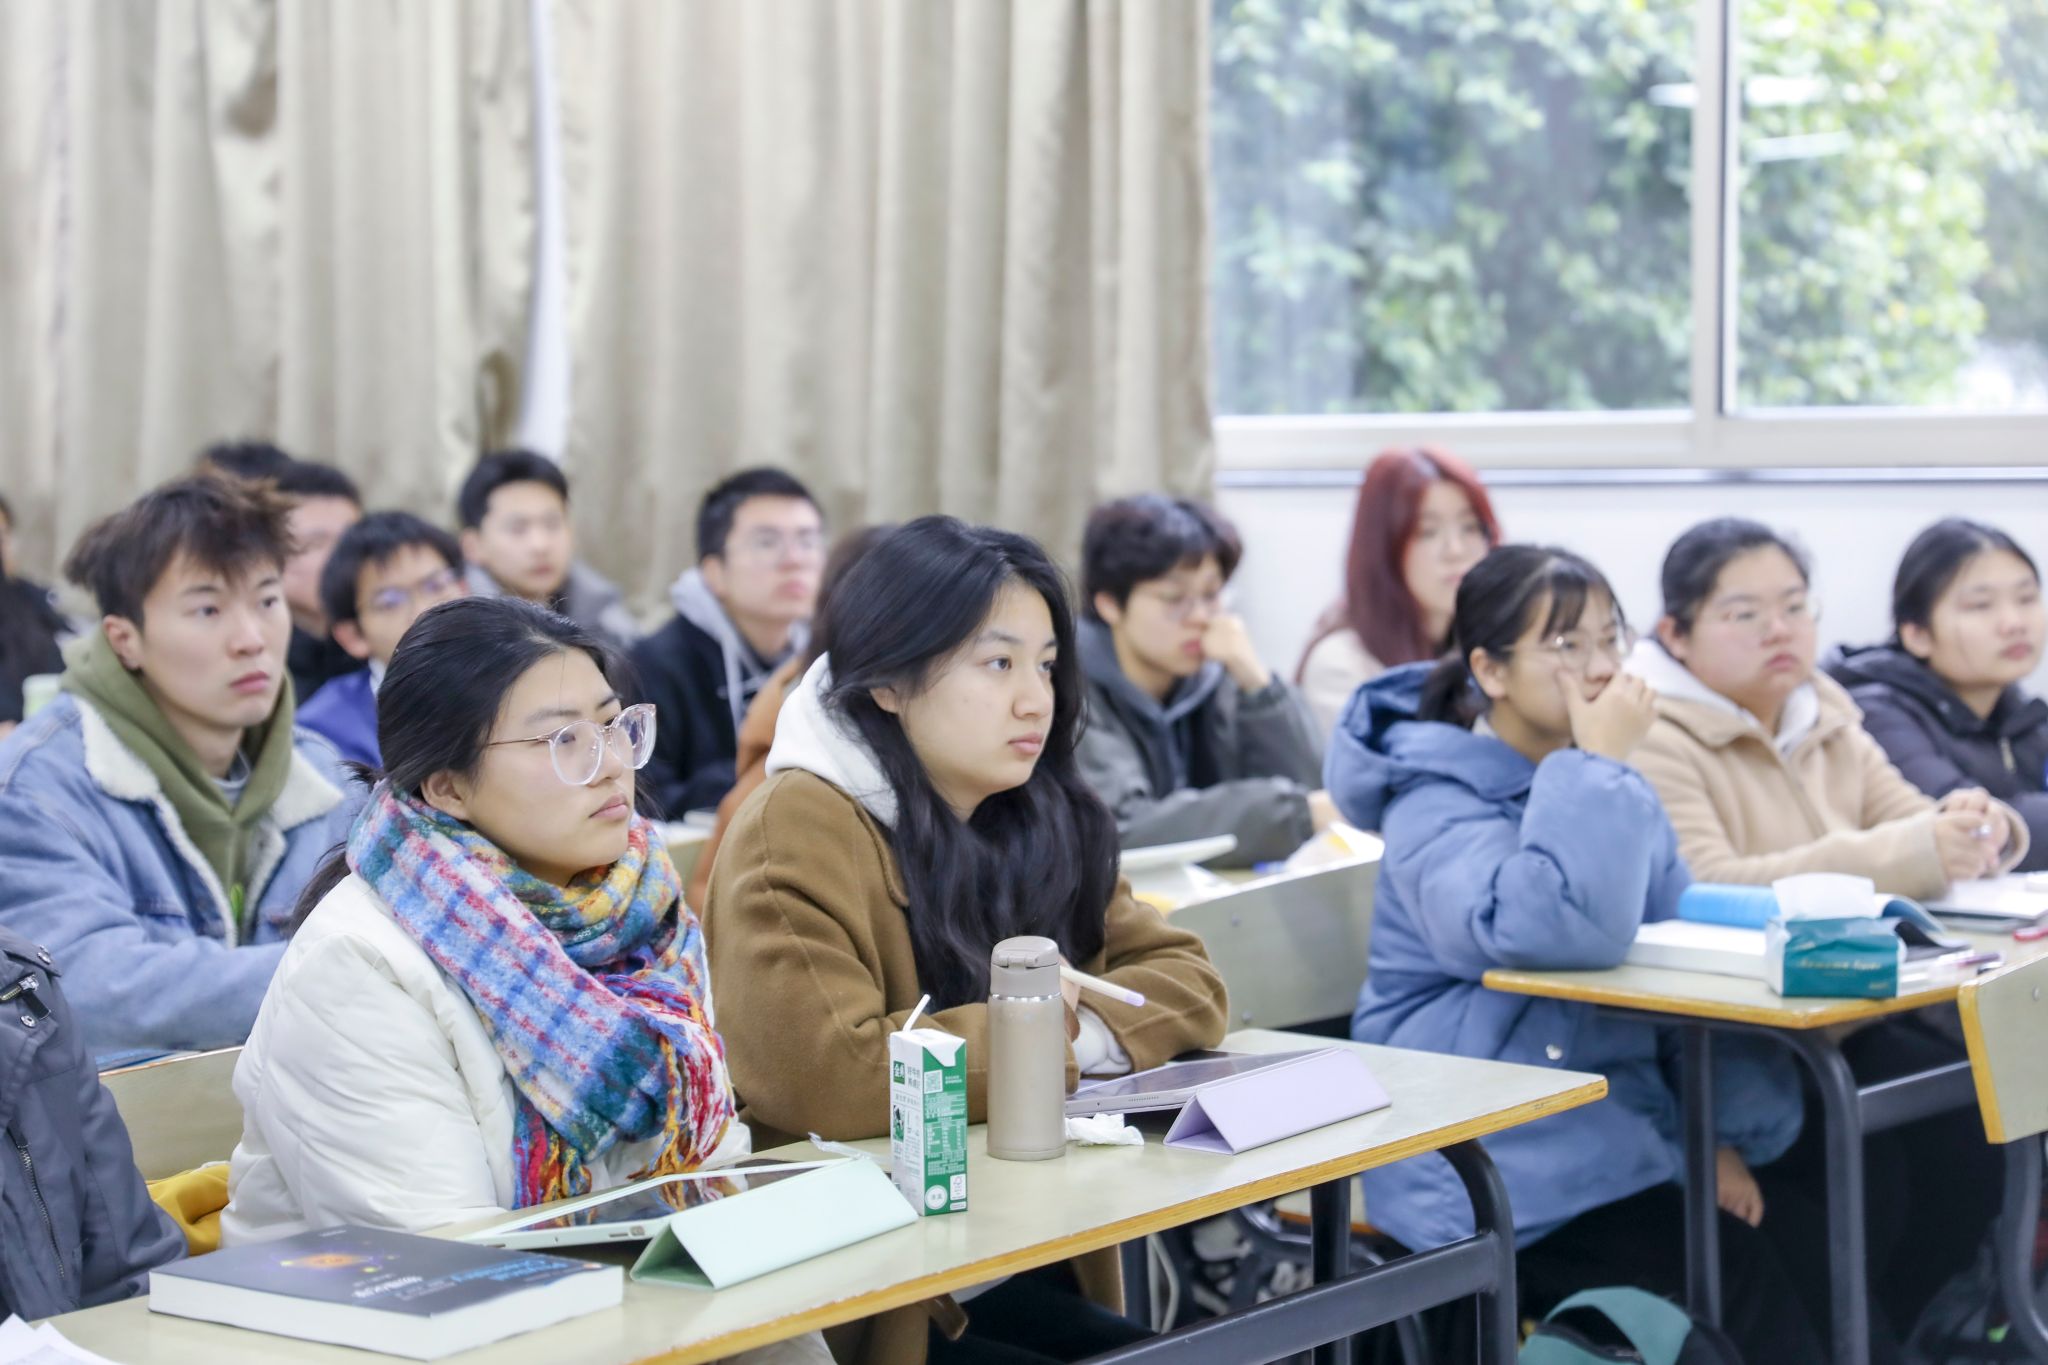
x,y
310,479
1694,562
721,505
371,542
1135,540
228,525
499,468
252,460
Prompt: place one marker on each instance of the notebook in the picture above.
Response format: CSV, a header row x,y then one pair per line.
x,y
417,1297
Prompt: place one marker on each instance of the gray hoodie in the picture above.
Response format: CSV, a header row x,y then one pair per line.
x,y
1208,760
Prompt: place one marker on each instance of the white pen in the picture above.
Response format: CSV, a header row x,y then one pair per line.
x,y
1099,986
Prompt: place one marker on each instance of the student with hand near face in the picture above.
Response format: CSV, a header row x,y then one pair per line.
x,y
1944,697
1189,733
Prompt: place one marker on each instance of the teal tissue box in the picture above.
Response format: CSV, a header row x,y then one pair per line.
x,y
1858,957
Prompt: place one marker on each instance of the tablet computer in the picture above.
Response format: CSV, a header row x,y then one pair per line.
x,y
1170,1086
633,1212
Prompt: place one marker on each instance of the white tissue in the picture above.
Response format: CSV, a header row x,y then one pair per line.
x,y
1103,1130
1825,895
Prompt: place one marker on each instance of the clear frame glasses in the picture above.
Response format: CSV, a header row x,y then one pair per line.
x,y
1180,605
1577,649
1753,618
577,749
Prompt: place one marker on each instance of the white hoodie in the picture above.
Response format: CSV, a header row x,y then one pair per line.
x,y
811,737
1670,678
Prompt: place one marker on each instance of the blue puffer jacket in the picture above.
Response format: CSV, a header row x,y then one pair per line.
x,y
1492,861
95,866
77,1227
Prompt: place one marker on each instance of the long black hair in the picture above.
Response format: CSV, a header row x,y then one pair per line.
x,y
443,691
1497,602
1934,559
1040,858
1693,564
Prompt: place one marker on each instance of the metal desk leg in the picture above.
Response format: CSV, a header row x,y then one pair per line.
x,y
1136,1256
1329,1216
1499,1332
1702,1205
2015,1244
1849,1265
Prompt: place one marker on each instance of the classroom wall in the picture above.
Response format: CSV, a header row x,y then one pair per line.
x,y
1295,540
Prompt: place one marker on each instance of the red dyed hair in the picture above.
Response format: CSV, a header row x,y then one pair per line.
x,y
1377,603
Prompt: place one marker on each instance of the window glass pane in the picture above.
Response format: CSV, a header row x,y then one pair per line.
x,y
1894,203
1451,205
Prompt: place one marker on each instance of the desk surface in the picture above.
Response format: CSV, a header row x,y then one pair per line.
x,y
1021,1215
1704,995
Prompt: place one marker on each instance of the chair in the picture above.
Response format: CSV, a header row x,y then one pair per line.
x,y
1291,949
181,1112
2005,1020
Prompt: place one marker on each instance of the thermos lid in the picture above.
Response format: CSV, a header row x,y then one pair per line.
x,y
1025,966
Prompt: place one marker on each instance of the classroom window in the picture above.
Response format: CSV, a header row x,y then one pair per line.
x,y
1451,205
1893,208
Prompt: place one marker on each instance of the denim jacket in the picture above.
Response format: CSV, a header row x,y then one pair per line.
x,y
96,867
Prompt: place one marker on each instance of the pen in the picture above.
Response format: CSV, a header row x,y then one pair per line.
x,y
1099,986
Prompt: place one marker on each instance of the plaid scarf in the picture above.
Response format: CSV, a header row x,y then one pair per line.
x,y
593,993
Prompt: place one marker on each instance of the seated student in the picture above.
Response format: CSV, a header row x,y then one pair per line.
x,y
516,537
414,1064
1518,836
385,570
740,614
72,1167
1944,697
1188,732
158,821
1761,761
923,804
757,730
30,627
1423,519
324,504
1766,771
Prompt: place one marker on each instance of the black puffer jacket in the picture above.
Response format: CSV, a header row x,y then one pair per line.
x,y
77,1227
1941,744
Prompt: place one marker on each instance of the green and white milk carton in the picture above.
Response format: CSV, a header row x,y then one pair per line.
x,y
928,1118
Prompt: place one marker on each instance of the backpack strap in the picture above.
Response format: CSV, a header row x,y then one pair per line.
x,y
1656,1327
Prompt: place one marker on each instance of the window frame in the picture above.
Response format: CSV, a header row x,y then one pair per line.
x,y
1713,434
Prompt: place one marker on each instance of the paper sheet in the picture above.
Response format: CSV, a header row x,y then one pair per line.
x,y
21,1344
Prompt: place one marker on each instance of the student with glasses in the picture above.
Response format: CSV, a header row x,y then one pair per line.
x,y
496,996
384,571
1766,770
1189,733
1518,835
742,612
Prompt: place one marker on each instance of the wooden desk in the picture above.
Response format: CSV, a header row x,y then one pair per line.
x,y
1024,1215
1700,1004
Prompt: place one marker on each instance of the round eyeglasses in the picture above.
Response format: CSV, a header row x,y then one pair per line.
x,y
577,749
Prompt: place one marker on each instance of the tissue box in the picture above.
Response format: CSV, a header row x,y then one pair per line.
x,y
1855,956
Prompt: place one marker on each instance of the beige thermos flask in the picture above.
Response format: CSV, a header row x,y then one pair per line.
x,y
1027,1051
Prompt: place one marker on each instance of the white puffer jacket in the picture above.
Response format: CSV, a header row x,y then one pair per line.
x,y
371,1093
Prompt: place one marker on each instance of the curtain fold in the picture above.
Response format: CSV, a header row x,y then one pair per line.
x,y
930,256
226,218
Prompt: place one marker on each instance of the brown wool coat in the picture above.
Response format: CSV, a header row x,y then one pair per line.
x,y
1743,813
811,955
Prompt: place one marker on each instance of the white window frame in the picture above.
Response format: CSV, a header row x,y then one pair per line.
x,y
1714,435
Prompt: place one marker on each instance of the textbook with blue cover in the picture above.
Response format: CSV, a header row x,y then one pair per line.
x,y
418,1297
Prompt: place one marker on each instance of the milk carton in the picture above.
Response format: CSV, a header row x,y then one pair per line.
x,y
928,1118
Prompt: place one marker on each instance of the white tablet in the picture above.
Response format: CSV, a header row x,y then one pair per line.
x,y
634,1212
1172,1085
1156,856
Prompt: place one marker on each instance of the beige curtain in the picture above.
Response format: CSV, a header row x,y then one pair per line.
x,y
306,220
929,254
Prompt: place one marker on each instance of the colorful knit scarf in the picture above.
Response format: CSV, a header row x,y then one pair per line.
x,y
593,993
